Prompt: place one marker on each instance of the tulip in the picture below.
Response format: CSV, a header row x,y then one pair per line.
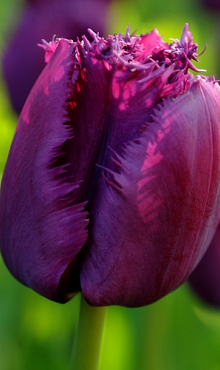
x,y
22,60
112,182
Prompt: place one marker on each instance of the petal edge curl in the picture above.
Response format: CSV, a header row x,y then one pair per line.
x,y
42,228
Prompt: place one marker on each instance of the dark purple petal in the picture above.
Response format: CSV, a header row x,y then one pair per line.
x,y
60,129
155,220
205,279
42,222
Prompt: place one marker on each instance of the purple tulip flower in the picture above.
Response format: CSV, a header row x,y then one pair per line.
x,y
112,182
22,61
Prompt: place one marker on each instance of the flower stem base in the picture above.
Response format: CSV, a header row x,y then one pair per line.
x,y
89,336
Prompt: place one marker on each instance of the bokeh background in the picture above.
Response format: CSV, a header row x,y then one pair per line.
x,y
177,333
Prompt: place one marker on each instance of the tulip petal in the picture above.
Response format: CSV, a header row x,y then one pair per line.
x,y
42,222
153,218
205,278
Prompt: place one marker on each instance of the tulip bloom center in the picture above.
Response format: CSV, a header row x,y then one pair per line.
x,y
135,68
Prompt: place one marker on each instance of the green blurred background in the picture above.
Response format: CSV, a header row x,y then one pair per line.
x,y
176,333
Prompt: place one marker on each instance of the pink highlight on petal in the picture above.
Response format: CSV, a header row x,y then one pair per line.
x,y
169,195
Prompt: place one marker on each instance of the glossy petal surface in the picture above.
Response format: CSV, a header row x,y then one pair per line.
x,y
148,233
41,230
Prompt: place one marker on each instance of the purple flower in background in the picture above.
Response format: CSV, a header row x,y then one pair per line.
x,y
22,61
112,182
206,277
211,4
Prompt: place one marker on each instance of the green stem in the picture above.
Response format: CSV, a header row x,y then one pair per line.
x,y
89,337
